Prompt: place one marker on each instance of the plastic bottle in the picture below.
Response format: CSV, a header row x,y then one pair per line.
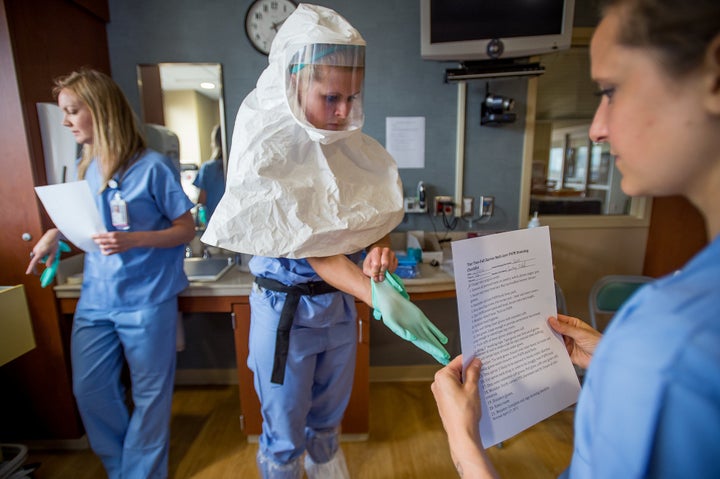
x,y
534,221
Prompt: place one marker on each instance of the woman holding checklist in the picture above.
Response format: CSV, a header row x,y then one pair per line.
x,y
650,402
127,310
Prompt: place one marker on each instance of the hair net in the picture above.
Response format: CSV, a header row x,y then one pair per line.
x,y
299,186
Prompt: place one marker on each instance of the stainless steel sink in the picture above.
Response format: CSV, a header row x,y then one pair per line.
x,y
207,269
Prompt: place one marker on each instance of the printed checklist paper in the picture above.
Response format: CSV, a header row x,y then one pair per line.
x,y
72,209
505,293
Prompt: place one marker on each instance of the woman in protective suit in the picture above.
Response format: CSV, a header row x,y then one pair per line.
x,y
307,193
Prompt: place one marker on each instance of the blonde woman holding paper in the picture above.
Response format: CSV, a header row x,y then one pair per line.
x,y
127,310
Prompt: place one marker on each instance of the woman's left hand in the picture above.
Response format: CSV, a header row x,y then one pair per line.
x,y
114,242
378,260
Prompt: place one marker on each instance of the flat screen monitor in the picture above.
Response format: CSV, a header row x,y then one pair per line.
x,y
474,30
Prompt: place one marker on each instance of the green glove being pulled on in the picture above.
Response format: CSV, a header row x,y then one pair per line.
x,y
391,303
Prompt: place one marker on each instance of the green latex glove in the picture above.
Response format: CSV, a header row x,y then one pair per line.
x,y
48,274
391,303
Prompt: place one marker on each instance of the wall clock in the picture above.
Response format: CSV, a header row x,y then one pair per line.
x,y
263,19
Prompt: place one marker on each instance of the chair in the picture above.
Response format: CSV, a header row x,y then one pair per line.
x,y
610,292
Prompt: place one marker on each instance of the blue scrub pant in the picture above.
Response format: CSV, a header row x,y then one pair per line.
x,y
130,444
303,413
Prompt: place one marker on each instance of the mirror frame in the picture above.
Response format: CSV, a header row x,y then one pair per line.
x,y
640,207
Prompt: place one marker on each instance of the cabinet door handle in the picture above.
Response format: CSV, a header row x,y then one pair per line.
x,y
360,330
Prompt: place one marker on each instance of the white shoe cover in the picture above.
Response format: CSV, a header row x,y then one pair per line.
x,y
272,470
335,468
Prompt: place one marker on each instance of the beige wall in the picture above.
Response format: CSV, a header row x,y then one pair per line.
x,y
208,116
191,116
583,255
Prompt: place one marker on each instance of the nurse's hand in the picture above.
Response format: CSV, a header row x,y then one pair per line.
x,y
378,260
115,241
45,248
580,338
458,403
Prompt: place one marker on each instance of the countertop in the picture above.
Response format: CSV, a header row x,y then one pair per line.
x,y
432,279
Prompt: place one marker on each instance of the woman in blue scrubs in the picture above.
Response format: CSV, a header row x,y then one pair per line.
x,y
127,310
211,177
650,403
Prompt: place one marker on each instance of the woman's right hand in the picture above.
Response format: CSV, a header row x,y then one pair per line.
x,y
580,338
45,248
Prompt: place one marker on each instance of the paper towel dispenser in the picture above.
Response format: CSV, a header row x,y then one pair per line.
x,y
59,146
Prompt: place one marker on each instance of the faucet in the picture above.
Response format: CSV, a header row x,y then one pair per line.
x,y
204,255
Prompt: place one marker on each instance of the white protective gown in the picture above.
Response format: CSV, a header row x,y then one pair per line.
x,y
293,190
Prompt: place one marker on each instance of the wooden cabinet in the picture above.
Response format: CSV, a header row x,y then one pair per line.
x,y
39,41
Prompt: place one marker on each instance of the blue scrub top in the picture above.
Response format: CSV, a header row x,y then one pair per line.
x,y
139,276
650,404
211,178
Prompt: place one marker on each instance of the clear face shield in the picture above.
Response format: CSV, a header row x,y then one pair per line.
x,y
324,85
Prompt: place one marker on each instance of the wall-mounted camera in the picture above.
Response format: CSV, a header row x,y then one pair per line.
x,y
496,109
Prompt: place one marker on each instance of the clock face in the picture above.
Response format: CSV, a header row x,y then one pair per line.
x,y
263,20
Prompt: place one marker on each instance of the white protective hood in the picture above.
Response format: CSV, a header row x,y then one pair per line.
x,y
293,190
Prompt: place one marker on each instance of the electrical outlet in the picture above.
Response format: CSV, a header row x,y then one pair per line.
x,y
443,205
487,205
412,205
468,207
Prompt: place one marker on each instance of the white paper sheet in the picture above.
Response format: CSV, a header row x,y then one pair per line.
x,y
72,209
505,293
405,140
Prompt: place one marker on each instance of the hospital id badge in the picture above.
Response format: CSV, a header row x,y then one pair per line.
x,y
119,213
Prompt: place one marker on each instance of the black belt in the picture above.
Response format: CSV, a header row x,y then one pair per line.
x,y
282,340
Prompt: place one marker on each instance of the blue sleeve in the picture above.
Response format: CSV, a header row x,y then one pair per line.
x,y
200,179
651,397
686,443
167,191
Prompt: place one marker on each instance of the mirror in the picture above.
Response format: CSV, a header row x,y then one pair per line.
x,y
186,101
570,174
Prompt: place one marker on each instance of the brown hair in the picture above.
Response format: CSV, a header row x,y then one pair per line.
x,y
679,31
117,139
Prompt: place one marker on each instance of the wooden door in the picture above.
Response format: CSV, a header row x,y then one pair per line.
x,y
39,41
677,232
